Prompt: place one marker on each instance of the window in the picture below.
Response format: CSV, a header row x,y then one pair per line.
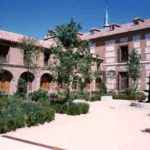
x,y
147,39
92,47
4,53
123,53
46,57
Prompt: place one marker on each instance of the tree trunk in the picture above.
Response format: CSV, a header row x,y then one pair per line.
x,y
67,90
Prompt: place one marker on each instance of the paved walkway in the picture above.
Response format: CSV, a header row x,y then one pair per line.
x,y
110,125
12,143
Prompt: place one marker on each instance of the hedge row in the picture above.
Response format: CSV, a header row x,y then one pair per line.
x,y
16,113
59,103
61,96
93,96
140,96
70,108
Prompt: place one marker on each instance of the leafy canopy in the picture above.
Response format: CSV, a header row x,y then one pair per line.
x,y
67,34
73,55
134,65
30,51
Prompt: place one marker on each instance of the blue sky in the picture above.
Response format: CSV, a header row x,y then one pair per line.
x,y
34,17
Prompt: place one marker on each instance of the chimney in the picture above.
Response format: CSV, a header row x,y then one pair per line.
x,y
137,20
80,34
112,27
94,30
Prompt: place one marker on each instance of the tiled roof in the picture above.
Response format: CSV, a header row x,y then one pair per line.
x,y
105,32
96,33
17,38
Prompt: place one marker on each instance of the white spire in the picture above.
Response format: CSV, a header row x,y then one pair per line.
x,y
106,17
106,21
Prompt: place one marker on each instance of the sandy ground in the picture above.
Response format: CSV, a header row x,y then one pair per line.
x,y
110,125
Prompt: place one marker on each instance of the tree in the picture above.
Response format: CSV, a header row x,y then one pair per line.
x,y
30,51
67,34
73,56
134,68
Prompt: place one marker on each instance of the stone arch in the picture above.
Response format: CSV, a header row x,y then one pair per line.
x,y
45,81
25,82
5,81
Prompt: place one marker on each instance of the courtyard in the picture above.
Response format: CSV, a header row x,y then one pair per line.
x,y
109,125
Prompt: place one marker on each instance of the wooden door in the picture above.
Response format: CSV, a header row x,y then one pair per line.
x,y
45,85
4,86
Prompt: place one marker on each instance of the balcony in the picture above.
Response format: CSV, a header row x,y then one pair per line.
x,y
4,54
123,54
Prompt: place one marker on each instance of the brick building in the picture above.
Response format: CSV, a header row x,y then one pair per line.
x,y
112,43
13,66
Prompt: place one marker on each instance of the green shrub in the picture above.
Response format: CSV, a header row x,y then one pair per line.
x,y
40,96
70,108
3,101
12,115
95,96
79,95
103,88
16,113
84,95
140,96
76,108
58,106
53,97
20,94
130,95
62,96
13,118
37,114
124,97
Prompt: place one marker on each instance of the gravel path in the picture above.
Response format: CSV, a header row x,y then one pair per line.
x,y
110,125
